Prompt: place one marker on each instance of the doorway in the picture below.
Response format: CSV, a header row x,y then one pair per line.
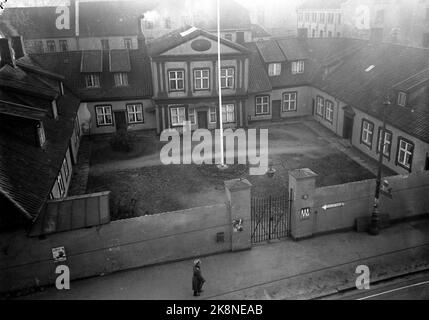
x,y
276,110
202,120
348,127
120,120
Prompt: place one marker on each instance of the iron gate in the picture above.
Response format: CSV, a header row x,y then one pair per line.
x,y
270,218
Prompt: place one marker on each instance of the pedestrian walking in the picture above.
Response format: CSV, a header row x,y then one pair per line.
x,y
197,278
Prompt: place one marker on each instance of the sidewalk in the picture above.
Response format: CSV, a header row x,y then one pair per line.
x,y
281,270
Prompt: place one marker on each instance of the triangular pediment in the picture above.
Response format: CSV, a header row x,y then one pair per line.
x,y
200,45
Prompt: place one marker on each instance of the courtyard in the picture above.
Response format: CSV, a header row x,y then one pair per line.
x,y
140,184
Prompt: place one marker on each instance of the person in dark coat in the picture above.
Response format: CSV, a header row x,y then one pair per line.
x,y
197,278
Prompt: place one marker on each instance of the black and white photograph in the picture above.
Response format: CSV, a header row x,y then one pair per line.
x,y
215,155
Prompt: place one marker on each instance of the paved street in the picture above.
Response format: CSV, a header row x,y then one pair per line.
x,y
280,270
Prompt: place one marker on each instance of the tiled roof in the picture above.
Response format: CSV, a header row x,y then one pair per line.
x,y
92,61
413,81
28,172
293,48
69,65
258,78
270,51
366,76
258,31
174,38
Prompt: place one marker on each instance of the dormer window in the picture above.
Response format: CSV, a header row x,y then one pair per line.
x,y
41,137
121,79
402,99
274,69
92,80
297,67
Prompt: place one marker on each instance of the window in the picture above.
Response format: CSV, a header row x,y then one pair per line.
x,y
297,67
191,115
339,18
105,44
387,143
104,115
405,153
307,16
176,80
300,16
128,43
202,79
321,34
38,46
63,45
314,16
289,101
329,34
41,134
228,36
227,78
213,115
379,17
121,79
135,113
228,113
177,116
402,99
322,17
319,106
262,105
329,110
274,69
50,45
330,18
61,185
65,168
367,133
92,80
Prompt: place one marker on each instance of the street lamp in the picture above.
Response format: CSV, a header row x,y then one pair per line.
x,y
374,228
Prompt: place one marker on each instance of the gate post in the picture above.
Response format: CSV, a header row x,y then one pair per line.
x,y
302,185
238,196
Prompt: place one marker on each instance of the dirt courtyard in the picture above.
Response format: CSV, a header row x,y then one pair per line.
x,y
141,184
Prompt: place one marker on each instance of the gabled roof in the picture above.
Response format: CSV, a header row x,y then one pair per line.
x,y
27,171
69,65
258,78
180,36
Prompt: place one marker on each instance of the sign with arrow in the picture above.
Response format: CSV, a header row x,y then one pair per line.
x,y
333,205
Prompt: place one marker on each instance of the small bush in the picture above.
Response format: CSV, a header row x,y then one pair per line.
x,y
122,141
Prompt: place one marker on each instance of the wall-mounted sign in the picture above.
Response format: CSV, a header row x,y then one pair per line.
x,y
305,213
59,254
332,205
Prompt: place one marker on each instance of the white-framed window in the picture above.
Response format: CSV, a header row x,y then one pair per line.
x,y
128,43
320,106
262,105
227,78
178,115
61,185
105,44
191,115
135,113
121,79
330,18
176,80
386,142
228,113
63,45
405,153
402,99
322,17
307,16
314,17
92,80
329,110
65,168
50,46
367,132
289,101
213,115
228,36
274,69
104,115
202,79
297,67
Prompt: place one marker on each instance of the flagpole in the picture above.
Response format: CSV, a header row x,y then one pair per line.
x,y
219,86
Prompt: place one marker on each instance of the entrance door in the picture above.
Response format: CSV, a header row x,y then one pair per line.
x,y
348,127
120,121
202,120
276,110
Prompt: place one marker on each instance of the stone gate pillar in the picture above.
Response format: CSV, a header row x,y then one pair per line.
x,y
302,185
238,197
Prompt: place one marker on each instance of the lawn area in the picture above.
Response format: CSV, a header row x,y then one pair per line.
x,y
140,184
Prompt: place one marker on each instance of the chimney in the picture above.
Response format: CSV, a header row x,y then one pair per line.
x,y
7,56
141,41
18,46
376,35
